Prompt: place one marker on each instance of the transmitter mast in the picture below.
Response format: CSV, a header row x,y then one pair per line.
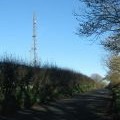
x,y
34,39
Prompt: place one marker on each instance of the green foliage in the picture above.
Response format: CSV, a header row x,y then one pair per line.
x,y
30,85
116,97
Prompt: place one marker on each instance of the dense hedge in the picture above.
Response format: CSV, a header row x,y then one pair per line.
x,y
27,85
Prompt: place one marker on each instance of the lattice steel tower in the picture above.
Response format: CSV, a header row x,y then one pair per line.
x,y
34,46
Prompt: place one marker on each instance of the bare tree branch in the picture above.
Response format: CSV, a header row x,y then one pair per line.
x,y
101,16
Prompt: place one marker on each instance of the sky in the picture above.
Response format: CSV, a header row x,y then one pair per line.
x,y
56,27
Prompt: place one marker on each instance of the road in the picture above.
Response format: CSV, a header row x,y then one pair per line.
x,y
94,105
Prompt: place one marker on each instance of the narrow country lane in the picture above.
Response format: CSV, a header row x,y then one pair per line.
x,y
94,105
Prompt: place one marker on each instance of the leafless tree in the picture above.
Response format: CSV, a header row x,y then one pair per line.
x,y
101,16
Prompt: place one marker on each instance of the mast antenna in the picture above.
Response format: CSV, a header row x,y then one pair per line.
x,y
34,39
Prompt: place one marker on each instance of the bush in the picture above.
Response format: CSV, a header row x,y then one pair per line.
x,y
30,85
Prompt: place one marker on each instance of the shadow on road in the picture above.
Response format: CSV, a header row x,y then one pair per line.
x,y
91,106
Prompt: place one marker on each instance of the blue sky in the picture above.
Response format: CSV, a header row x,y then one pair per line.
x,y
56,26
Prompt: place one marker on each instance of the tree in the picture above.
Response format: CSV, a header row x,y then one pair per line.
x,y
100,17
112,44
113,64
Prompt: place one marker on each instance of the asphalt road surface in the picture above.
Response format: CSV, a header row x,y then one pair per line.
x,y
94,105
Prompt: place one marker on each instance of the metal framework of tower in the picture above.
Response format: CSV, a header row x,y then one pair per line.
x,y
34,46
